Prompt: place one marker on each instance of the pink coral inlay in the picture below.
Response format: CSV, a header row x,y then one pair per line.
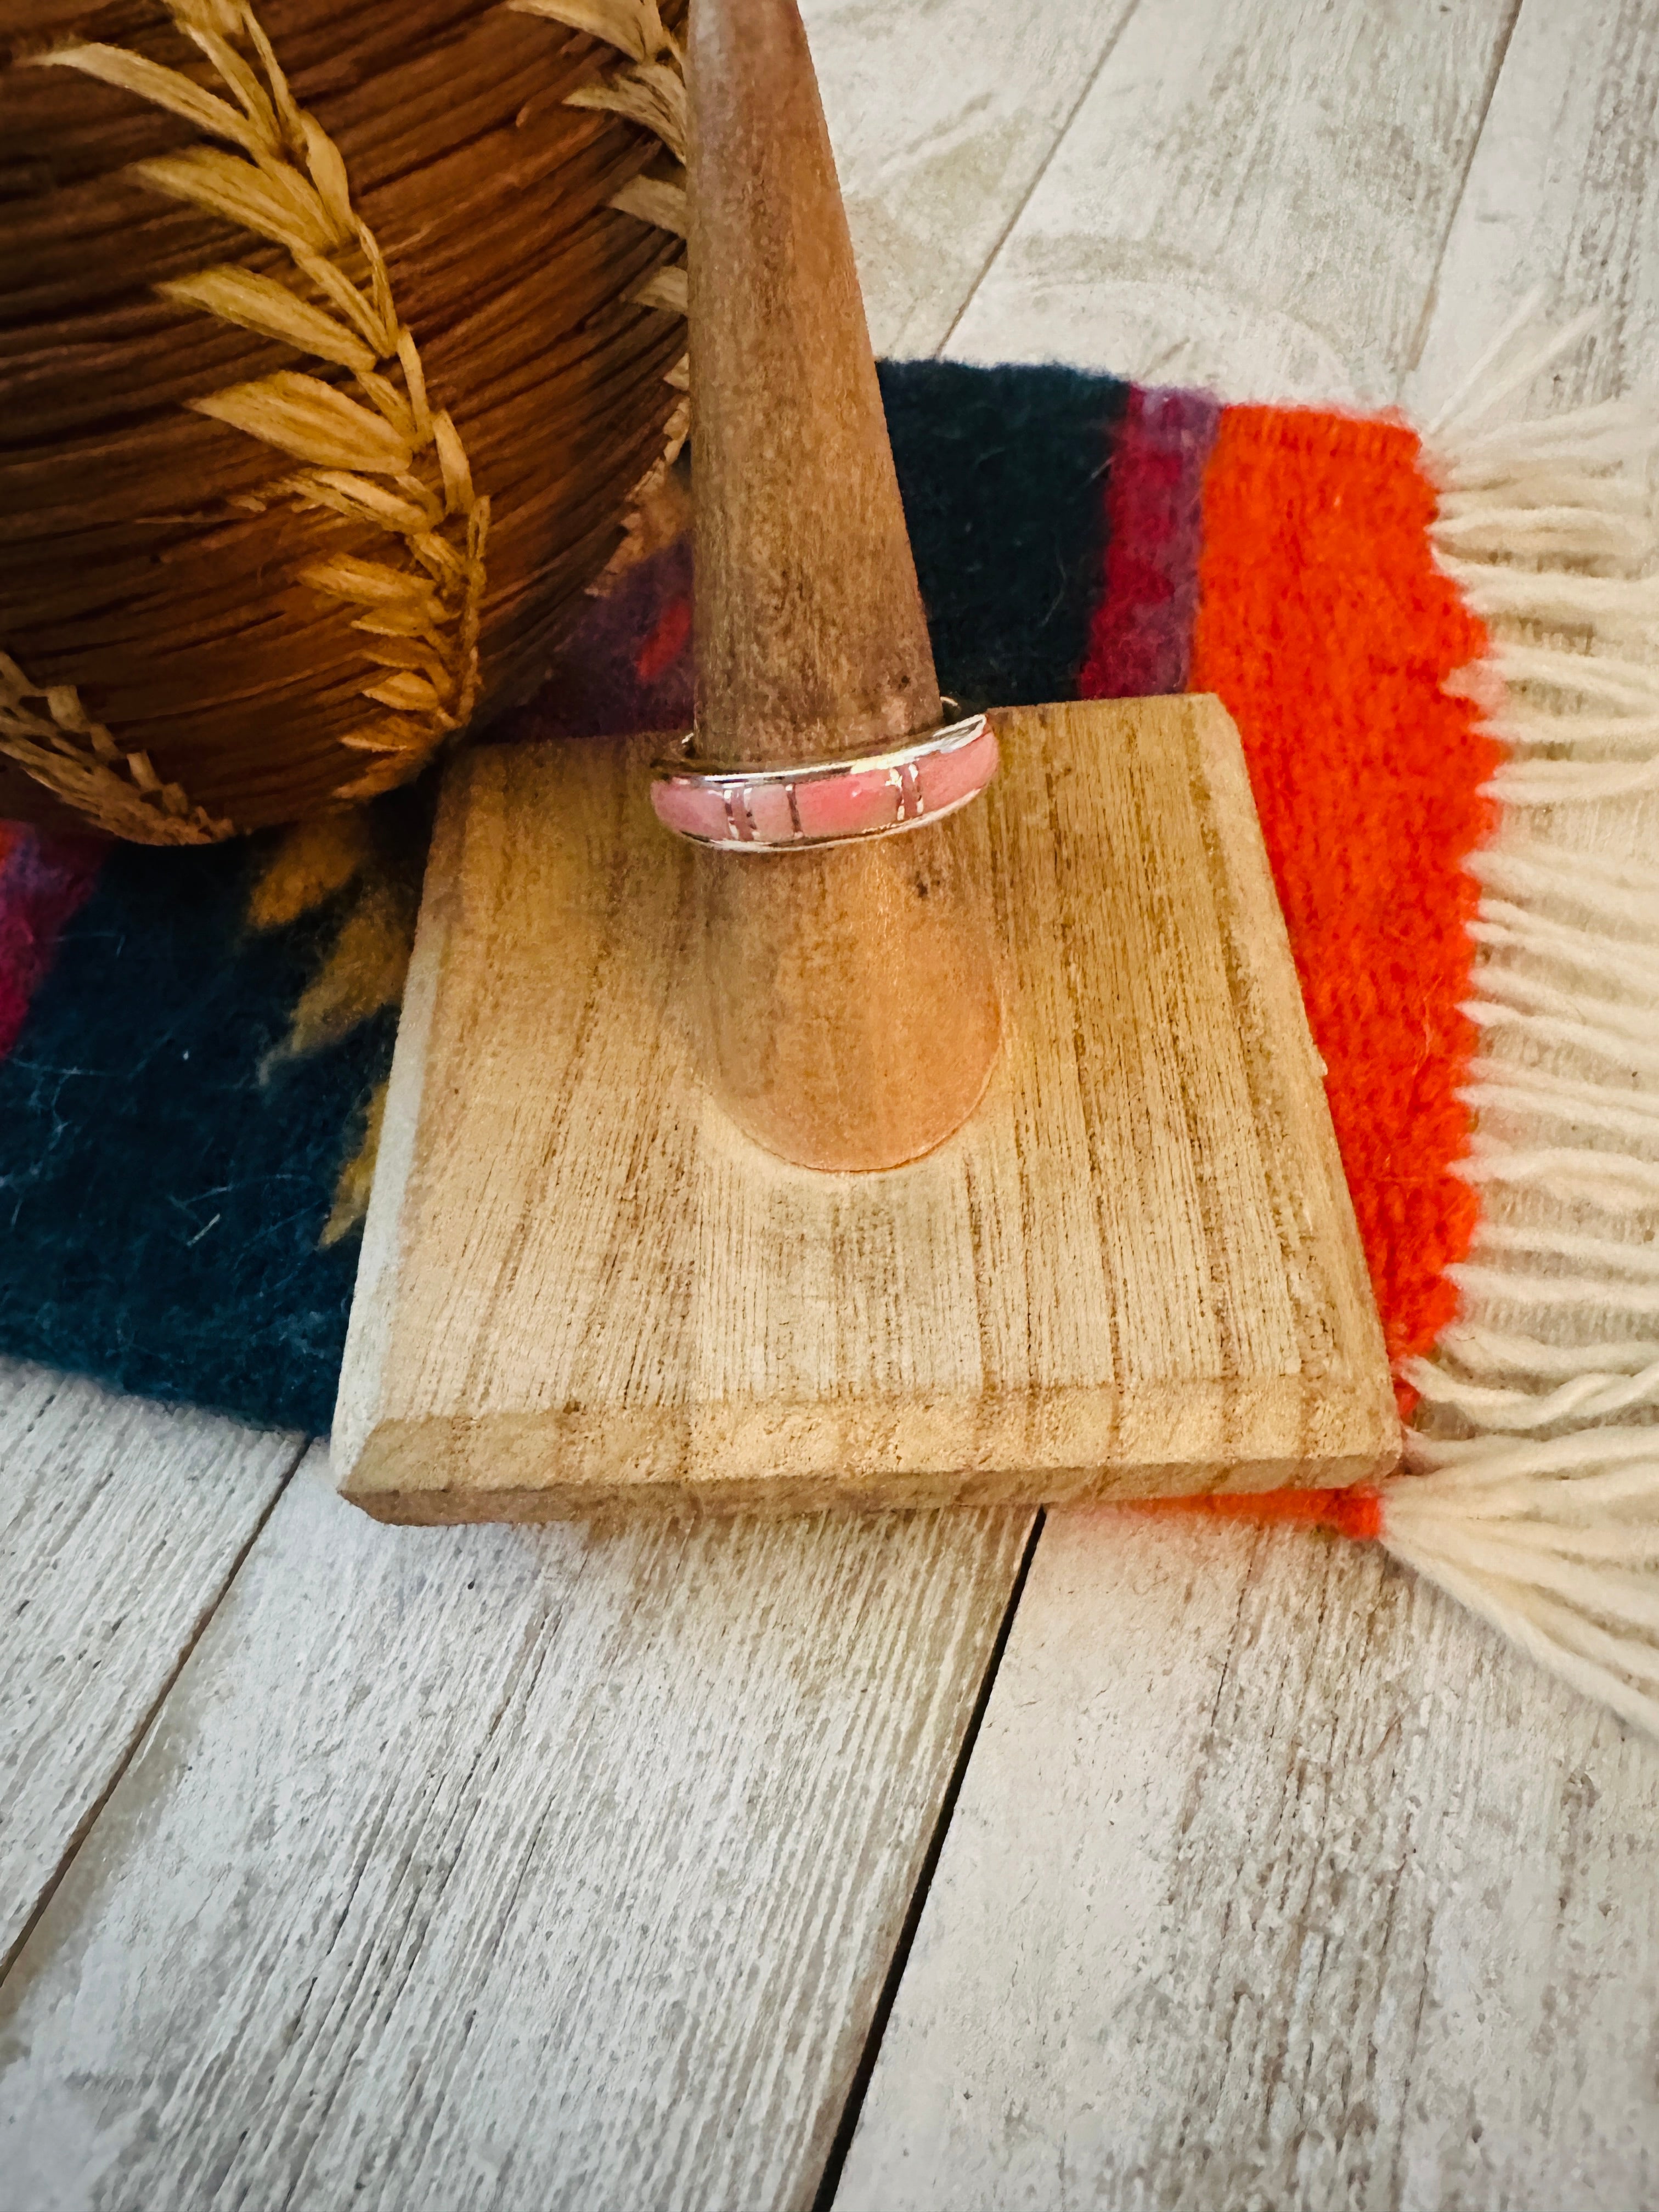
x,y
772,811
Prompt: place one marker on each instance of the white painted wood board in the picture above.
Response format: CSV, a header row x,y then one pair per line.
x,y
120,1524
1420,1968
942,117
1562,200
1252,197
492,1867
1274,1882
1567,2072
839,1861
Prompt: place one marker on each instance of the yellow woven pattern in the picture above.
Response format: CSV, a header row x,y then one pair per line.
x,y
379,452
649,89
47,730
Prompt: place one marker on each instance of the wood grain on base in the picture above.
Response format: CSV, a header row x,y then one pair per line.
x,y
1134,1271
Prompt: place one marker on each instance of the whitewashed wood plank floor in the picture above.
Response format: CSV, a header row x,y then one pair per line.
x,y
1274,1881
1562,201
1342,1904
1252,197
481,1869
491,1866
122,1523
945,113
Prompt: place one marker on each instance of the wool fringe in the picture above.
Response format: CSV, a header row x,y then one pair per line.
x,y
1531,1490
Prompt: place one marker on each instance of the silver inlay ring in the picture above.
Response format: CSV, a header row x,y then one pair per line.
x,y
829,802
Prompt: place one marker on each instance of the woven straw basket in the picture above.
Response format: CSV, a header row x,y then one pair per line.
x,y
334,342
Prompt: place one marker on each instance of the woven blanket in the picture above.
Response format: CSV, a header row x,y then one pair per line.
x,y
1435,651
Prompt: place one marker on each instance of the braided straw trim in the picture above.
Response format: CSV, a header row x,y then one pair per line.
x,y
649,89
47,731
394,462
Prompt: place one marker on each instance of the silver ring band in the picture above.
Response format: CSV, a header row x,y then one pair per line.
x,y
841,801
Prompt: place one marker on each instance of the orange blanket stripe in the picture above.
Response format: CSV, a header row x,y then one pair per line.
x,y
1327,629
1368,781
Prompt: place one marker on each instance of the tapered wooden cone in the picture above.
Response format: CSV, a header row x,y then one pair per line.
x,y
851,1016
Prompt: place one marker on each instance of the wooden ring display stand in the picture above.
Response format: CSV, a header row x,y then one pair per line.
x,y
641,1230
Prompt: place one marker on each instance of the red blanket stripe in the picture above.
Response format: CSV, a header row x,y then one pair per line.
x,y
43,880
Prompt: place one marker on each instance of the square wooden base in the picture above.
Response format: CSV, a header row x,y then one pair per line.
x,y
1135,1272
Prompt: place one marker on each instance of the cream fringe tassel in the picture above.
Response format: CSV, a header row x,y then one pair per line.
x,y
1532,1494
